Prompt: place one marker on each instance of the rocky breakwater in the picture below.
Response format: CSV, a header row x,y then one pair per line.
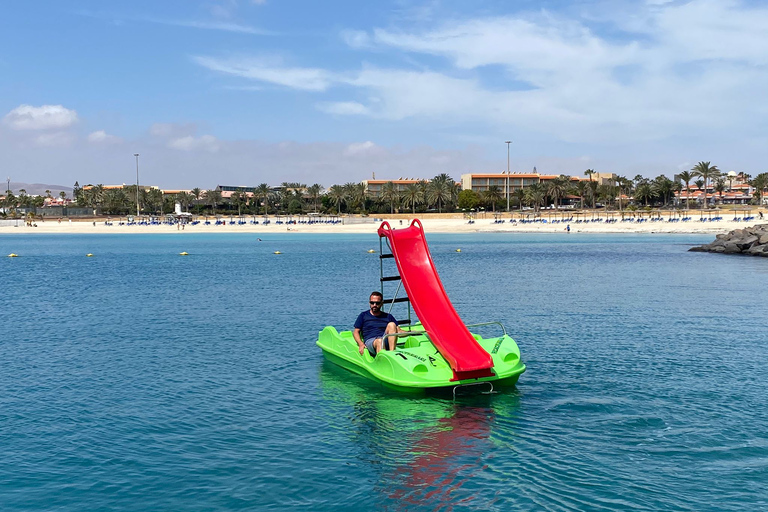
x,y
752,241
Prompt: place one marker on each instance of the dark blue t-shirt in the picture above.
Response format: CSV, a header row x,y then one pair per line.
x,y
373,326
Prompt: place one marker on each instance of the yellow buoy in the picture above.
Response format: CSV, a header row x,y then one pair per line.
x,y
89,255
184,253
458,250
371,251
12,255
278,252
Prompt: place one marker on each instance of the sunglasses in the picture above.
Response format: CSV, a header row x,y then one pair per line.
x,y
374,302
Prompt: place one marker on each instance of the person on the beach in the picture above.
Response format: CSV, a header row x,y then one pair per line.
x,y
372,325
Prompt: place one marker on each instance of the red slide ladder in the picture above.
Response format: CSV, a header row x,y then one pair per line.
x,y
447,332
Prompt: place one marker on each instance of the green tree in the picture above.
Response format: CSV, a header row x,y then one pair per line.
x,y
581,189
720,187
706,171
440,191
338,196
468,199
687,177
313,192
356,194
213,198
492,196
412,195
535,195
390,195
155,198
558,188
663,187
197,194
644,192
760,184
239,198
263,193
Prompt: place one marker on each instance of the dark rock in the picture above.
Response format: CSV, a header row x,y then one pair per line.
x,y
751,240
746,243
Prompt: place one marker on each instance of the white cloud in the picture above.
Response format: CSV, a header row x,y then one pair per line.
x,y
101,136
344,108
54,139
45,117
189,143
216,25
271,71
361,148
165,130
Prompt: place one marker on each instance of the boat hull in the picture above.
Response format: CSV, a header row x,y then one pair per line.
x,y
416,365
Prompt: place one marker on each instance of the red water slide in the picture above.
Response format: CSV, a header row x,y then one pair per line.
x,y
430,302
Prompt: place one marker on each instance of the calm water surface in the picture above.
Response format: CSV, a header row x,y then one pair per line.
x,y
142,380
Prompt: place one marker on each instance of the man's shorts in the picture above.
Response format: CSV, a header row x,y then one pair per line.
x,y
369,343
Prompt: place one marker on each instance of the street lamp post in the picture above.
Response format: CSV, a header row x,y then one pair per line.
x,y
508,142
137,185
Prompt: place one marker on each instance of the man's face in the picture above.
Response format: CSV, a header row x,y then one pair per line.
x,y
375,302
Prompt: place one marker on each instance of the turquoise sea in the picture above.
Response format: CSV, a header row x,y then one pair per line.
x,y
140,380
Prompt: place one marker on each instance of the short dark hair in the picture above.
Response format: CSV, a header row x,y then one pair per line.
x,y
378,294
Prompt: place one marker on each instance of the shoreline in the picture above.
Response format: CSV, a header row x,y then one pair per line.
x,y
433,223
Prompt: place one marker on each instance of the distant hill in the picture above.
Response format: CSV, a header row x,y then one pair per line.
x,y
37,189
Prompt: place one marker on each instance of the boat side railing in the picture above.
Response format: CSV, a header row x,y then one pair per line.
x,y
504,330
406,334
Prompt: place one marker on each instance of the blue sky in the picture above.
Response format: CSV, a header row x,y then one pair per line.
x,y
249,91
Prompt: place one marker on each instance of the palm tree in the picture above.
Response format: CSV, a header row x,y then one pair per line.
x,y
440,190
644,192
760,183
338,196
706,171
356,194
582,189
535,195
519,196
155,198
720,187
558,187
412,195
687,177
63,196
389,194
624,185
240,199
492,196
313,192
213,197
663,187
197,193
263,192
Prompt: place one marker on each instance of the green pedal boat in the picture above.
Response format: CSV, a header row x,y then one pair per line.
x,y
416,365
437,352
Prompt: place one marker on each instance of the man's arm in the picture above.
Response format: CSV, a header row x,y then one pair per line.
x,y
358,338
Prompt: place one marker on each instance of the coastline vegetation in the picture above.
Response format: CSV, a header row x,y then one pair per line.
x,y
441,194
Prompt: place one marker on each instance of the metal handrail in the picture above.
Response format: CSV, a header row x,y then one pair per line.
x,y
406,333
490,323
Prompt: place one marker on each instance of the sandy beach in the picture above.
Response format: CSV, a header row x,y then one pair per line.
x,y
433,223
